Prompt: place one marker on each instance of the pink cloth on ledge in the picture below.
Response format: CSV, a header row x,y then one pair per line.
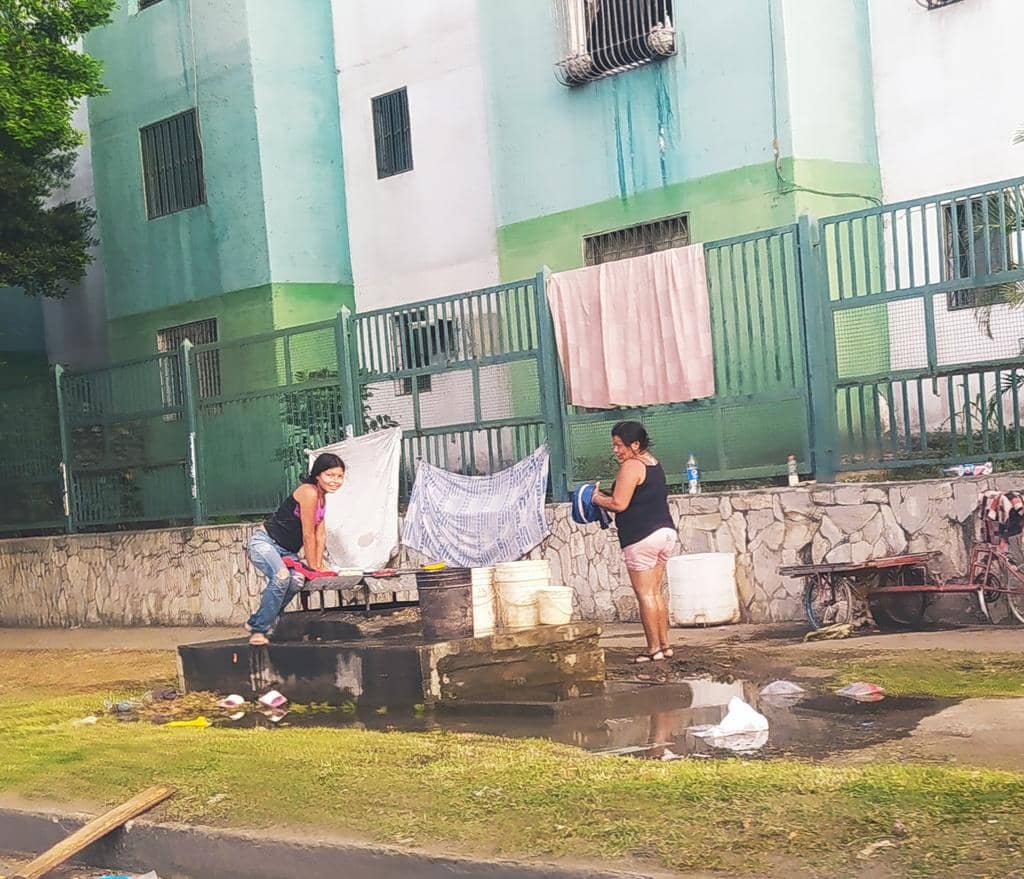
x,y
635,332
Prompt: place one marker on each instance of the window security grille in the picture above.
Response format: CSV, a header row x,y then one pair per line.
x,y
637,240
172,165
603,37
391,133
207,363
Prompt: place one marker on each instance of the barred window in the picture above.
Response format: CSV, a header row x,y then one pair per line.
x,y
207,363
637,240
604,37
936,4
172,165
391,133
976,244
145,4
421,343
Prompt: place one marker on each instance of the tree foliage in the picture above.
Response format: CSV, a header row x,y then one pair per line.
x,y
43,247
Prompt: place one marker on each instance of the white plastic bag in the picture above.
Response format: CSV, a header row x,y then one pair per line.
x,y
742,729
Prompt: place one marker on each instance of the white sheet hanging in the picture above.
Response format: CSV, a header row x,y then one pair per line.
x,y
362,516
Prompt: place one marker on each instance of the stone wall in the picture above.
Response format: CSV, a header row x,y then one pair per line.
x,y
200,576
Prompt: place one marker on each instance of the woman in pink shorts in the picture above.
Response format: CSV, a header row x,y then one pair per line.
x,y
647,533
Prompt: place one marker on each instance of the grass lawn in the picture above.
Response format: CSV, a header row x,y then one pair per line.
x,y
477,794
944,673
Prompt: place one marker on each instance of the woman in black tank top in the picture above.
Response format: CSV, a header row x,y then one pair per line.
x,y
647,533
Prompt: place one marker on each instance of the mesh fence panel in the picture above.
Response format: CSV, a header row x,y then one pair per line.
x,y
31,459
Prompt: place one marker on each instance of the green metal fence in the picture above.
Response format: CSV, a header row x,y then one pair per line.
x,y
127,443
30,460
888,337
759,414
927,337
260,402
471,379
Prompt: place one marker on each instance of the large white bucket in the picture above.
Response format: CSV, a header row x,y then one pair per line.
x,y
484,612
516,585
538,569
702,589
554,606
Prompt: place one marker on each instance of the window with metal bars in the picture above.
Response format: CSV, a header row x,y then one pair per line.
x,y
421,343
145,4
391,133
637,240
936,4
604,37
207,363
977,231
172,165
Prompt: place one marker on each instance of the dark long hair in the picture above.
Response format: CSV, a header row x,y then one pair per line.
x,y
632,432
326,461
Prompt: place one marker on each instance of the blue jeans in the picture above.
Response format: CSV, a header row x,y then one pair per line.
x,y
283,584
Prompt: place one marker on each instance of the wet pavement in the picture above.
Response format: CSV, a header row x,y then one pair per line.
x,y
656,720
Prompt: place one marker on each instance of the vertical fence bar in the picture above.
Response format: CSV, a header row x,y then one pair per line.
x,y
551,401
819,339
348,370
65,452
191,426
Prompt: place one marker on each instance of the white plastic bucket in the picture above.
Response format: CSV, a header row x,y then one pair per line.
x,y
539,569
554,606
702,589
517,604
484,612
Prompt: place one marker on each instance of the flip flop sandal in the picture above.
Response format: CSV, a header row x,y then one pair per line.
x,y
667,652
258,639
644,658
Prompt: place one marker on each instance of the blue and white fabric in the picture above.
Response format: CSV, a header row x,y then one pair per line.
x,y
478,521
585,511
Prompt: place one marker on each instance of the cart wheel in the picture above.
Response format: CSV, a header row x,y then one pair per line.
x,y
1015,598
993,603
828,602
893,611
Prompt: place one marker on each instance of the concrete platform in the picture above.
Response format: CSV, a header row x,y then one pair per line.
x,y
396,669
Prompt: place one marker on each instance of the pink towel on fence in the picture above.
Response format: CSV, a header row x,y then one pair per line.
x,y
635,332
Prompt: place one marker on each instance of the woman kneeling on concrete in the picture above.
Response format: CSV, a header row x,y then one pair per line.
x,y
647,533
298,524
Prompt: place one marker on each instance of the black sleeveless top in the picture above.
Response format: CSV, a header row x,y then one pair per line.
x,y
647,511
285,527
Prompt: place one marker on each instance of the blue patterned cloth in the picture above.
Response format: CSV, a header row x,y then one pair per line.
x,y
478,521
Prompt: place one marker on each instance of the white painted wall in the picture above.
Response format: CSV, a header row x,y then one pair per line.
x,y
431,231
947,103
947,94
76,326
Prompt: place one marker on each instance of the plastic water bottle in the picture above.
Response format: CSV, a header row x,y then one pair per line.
x,y
969,469
692,475
794,477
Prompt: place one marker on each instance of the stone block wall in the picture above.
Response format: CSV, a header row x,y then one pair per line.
x,y
200,576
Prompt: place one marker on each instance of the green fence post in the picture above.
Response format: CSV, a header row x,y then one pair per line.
x,y
65,452
351,405
819,341
191,426
550,390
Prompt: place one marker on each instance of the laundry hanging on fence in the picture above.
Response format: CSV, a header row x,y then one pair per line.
x,y
361,517
635,332
478,521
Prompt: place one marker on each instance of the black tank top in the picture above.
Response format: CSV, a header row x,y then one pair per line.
x,y
647,511
285,527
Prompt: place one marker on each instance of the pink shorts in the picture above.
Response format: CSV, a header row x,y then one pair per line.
x,y
653,550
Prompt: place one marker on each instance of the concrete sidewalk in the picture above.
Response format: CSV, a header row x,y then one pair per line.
x,y
774,636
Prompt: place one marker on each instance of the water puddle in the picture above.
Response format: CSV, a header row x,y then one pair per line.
x,y
652,720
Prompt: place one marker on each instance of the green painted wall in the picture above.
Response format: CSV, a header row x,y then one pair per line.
x,y
22,339
273,228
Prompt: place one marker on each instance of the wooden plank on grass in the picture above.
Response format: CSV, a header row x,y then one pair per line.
x,y
96,829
